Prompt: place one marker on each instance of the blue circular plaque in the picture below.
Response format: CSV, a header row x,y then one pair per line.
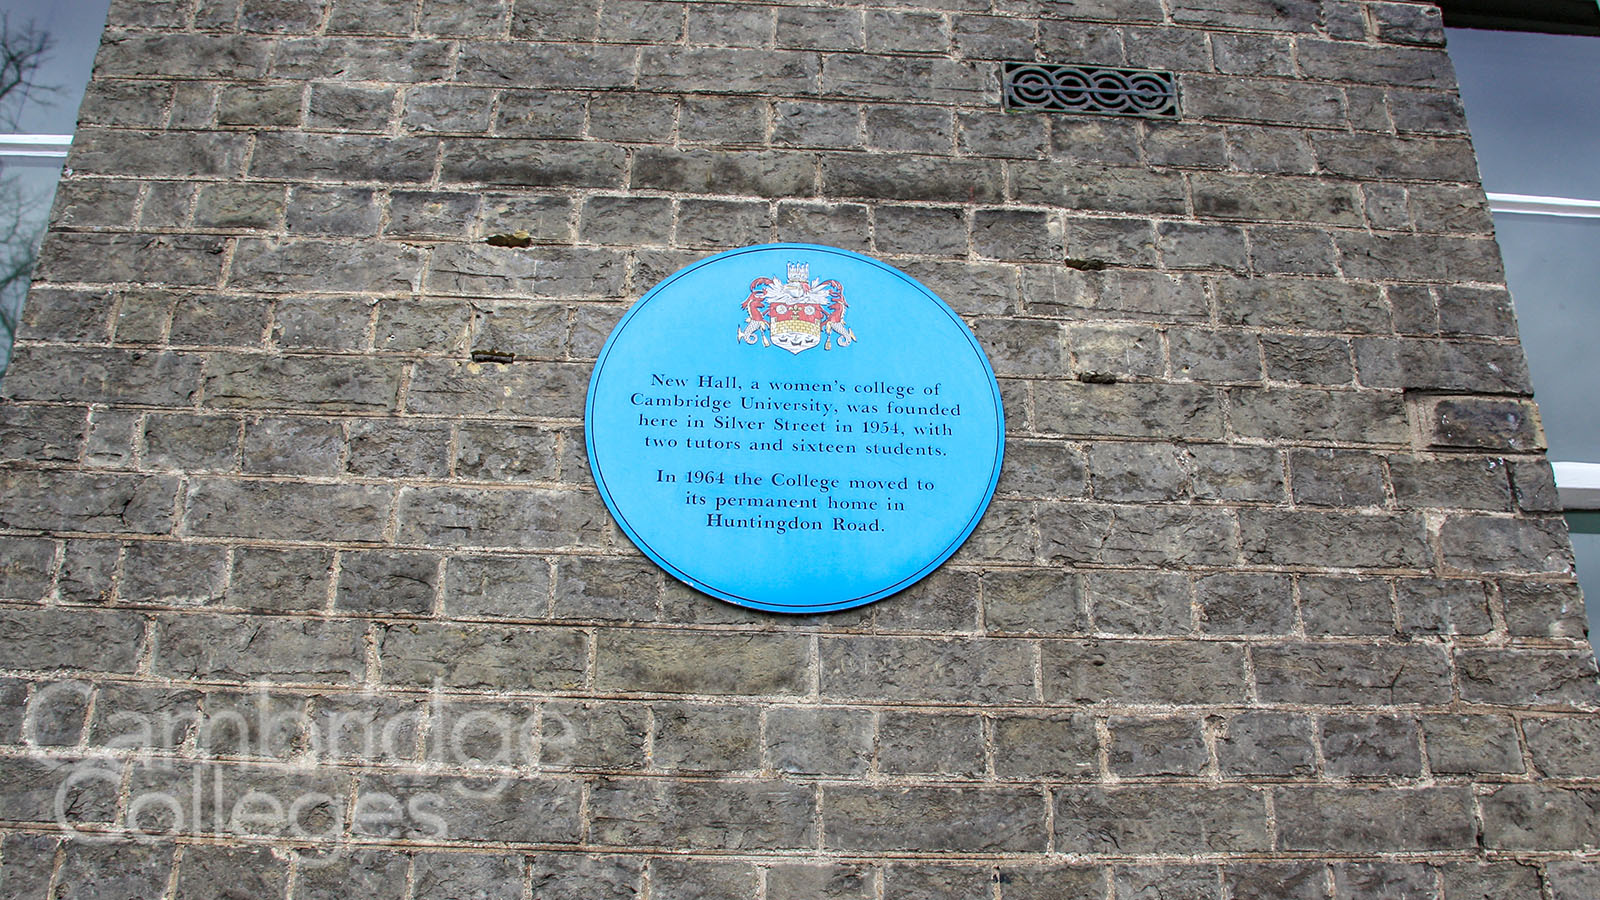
x,y
794,428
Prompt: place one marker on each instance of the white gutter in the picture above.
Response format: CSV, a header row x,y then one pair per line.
x,y
1529,204
35,146
1578,483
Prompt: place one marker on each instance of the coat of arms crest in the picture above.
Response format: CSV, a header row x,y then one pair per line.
x,y
797,314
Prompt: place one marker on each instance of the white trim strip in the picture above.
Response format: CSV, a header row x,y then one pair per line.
x,y
1529,204
35,146
1578,483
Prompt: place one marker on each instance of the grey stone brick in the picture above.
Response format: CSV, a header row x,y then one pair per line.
x,y
215,320
1101,142
536,331
626,220
1133,294
25,574
703,737
1045,746
1302,303
992,37
717,224
1191,146
1534,485
139,377
447,386
1187,245
1344,605
172,574
538,114
812,28
636,117
594,735
687,878
957,819
1280,250
29,859
1164,819
521,519
1307,360
1214,355
172,153
1127,672
1119,189
1043,468
387,583
1033,601
1487,423
1103,534
1249,54
482,656
1344,478
55,714
1266,743
513,587
1300,880
669,662
346,212
454,17
112,869
1473,880
38,434
1543,609
1145,746
239,648
1236,473
1545,678
1441,365
573,876
379,874
1564,747
436,328
1384,879
130,104
821,125
1462,744
483,270
279,580
546,219
1363,819
1369,417
55,500
1524,816
824,881
1182,411
1495,544
723,120
94,202
398,448
522,162
940,670
907,177
55,314
1439,606
249,381
1117,242
186,55
87,571
623,590
543,810
1379,745
1061,881
834,225
918,743
30,788
1139,602
1016,234
1401,674
273,266
725,70
819,740
1450,258
1276,199
1245,604
207,872
292,446
727,815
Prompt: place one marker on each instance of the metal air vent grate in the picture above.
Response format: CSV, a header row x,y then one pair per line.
x,y
1090,89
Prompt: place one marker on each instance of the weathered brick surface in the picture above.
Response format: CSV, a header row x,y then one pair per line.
x,y
1274,599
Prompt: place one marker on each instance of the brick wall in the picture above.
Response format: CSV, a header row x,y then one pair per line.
x,y
299,601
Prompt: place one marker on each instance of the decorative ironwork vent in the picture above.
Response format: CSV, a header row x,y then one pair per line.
x,y
1091,89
